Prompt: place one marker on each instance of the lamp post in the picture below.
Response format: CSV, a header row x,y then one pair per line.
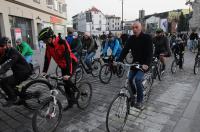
x,y
122,15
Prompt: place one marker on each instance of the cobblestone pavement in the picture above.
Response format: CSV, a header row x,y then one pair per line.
x,y
166,106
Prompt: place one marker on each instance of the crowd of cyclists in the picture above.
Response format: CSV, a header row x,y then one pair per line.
x,y
67,51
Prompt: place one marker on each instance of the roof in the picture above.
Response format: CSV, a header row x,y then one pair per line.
x,y
94,9
111,16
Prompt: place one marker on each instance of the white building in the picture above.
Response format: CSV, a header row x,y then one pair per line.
x,y
113,23
92,21
25,18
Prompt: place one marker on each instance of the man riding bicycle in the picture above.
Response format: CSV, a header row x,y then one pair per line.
x,y
25,50
142,51
162,48
60,51
10,58
114,45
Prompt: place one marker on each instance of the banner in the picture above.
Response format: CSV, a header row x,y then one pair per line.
x,y
18,33
164,25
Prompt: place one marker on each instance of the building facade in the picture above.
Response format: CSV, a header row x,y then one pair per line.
x,y
25,18
113,23
195,20
92,21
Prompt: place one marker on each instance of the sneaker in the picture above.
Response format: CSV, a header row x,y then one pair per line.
x,y
139,106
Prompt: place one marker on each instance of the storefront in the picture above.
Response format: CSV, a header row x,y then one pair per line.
x,y
21,28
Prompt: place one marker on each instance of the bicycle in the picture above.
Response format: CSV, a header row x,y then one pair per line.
x,y
82,68
155,68
123,99
108,69
197,64
176,62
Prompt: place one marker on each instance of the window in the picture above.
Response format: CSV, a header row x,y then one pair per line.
x,y
92,27
99,16
60,7
50,2
99,21
64,7
37,1
108,23
113,26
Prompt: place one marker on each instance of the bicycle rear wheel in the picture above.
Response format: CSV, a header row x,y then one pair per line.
x,y
78,75
84,95
48,117
96,66
117,113
35,73
34,92
174,67
105,74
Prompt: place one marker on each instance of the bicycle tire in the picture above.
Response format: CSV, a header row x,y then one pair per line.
x,y
196,67
173,67
82,94
110,127
38,114
31,102
107,70
96,66
78,75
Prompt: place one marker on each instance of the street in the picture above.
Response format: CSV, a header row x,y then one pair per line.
x,y
174,106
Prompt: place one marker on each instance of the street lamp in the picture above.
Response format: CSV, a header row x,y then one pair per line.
x,y
122,15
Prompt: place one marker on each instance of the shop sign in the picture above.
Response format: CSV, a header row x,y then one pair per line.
x,y
54,19
18,33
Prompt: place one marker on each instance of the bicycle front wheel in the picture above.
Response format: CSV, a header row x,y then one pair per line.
x,y
174,67
48,117
105,74
85,95
96,66
34,92
35,73
117,113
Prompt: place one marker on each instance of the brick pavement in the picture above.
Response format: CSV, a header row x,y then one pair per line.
x,y
165,108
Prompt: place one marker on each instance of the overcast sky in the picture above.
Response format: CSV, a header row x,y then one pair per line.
x,y
131,7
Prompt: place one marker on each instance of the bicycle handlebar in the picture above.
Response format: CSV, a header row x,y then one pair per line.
x,y
58,78
135,65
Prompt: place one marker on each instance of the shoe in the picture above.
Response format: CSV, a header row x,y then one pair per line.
x,y
70,105
139,106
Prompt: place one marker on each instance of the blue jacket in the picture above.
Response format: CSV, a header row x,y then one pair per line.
x,y
114,46
69,39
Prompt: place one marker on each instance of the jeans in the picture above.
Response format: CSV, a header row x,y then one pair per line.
x,y
28,58
139,76
88,59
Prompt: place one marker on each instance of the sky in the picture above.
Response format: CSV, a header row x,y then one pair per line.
x,y
131,7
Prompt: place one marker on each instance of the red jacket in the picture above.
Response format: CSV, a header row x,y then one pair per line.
x,y
62,55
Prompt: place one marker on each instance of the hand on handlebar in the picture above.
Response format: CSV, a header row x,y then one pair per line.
x,y
66,77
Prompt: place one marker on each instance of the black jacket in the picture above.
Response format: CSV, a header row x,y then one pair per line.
x,y
17,63
141,49
161,45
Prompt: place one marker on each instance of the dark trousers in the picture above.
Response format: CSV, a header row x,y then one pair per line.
x,y
9,83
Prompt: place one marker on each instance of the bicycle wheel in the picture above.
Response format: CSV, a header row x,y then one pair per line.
x,y
96,66
196,67
35,73
105,74
117,113
78,75
58,71
84,95
120,71
34,92
48,117
174,67
147,84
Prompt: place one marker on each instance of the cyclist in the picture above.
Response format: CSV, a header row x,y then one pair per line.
x,y
60,51
178,49
25,50
193,40
141,48
76,45
89,44
11,58
114,45
162,48
69,37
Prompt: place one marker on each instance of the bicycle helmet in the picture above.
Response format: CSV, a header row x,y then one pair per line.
x,y
45,34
